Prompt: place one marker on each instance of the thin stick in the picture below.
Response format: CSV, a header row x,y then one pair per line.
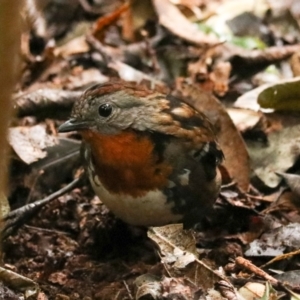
x,y
245,263
17,217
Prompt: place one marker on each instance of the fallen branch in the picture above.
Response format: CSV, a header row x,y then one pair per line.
x,y
17,217
45,102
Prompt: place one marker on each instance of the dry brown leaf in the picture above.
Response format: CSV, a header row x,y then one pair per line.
x,y
19,282
220,78
295,63
244,119
275,242
293,181
287,203
193,5
171,18
136,17
147,286
174,242
29,142
128,73
105,21
236,155
178,250
177,288
278,155
75,46
85,77
252,290
249,100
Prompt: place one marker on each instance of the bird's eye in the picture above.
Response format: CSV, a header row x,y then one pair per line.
x,y
105,110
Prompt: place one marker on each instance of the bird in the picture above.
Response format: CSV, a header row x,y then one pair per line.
x,y
152,159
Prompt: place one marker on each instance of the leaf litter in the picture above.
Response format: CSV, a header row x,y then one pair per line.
x,y
73,247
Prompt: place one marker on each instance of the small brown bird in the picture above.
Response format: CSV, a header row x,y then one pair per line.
x,y
151,158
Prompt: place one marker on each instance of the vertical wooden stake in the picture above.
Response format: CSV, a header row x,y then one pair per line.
x,y
10,32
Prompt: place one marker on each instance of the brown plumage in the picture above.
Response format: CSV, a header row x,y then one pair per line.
x,y
151,158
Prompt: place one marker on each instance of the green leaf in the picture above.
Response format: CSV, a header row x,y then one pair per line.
x,y
282,96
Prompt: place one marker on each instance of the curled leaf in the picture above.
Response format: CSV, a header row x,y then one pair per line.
x,y
282,96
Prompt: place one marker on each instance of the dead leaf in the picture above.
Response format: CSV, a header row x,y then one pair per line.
x,y
148,286
177,288
29,142
295,63
220,78
275,242
252,290
179,255
56,167
293,181
19,282
249,100
173,241
193,5
287,204
244,119
292,278
128,73
44,102
236,157
169,15
85,78
278,155
58,278
73,47
105,21
5,208
136,17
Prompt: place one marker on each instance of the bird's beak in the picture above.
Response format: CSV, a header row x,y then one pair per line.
x,y
73,125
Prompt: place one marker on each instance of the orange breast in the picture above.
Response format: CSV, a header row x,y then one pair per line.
x,y
126,164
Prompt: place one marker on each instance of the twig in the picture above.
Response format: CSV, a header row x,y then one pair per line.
x,y
17,217
47,230
128,290
245,263
44,102
228,185
281,257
